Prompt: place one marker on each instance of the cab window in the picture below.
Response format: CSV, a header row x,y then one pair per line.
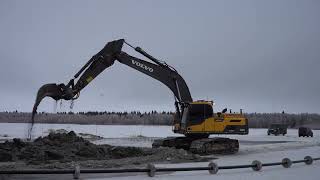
x,y
200,111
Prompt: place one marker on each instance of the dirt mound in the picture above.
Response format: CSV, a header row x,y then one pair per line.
x,y
63,147
68,147
86,136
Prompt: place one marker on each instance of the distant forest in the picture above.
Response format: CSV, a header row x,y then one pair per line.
x,y
256,120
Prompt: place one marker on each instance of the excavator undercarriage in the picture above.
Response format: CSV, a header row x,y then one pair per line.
x,y
203,146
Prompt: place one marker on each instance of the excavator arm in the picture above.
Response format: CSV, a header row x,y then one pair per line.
x,y
105,58
165,75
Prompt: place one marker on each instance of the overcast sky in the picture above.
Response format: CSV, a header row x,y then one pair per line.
x,y
262,56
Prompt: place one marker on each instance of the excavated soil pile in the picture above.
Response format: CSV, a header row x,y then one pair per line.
x,y
64,147
67,147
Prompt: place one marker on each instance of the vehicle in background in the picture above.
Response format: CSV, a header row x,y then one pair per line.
x,y
305,131
277,129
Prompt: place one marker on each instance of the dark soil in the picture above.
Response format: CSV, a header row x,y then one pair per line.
x,y
60,150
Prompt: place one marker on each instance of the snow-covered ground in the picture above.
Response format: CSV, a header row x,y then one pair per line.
x,y
255,146
296,172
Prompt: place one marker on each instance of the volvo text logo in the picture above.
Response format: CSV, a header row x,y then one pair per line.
x,y
142,66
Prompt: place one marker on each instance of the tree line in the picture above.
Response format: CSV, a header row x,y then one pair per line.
x,y
256,120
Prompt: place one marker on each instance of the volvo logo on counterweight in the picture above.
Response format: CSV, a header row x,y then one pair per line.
x,y
142,66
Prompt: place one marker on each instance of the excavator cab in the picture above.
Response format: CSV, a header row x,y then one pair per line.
x,y
193,114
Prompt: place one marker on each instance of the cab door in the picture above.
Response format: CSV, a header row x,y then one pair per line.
x,y
199,117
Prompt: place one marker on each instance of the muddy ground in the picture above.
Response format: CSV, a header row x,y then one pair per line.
x,y
65,149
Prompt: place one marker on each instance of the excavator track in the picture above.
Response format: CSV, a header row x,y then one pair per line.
x,y
215,145
203,146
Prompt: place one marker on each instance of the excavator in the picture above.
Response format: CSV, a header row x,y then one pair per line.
x,y
194,119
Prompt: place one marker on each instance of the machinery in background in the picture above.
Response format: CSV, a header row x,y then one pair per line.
x,y
305,132
277,129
